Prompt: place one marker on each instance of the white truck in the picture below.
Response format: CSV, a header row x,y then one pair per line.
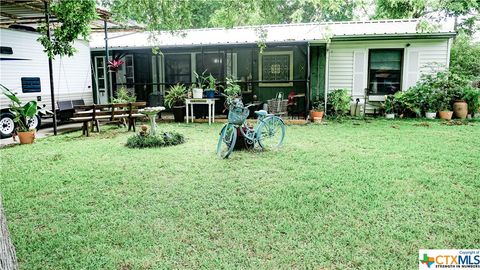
x,y
24,70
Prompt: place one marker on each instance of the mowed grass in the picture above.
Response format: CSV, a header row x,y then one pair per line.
x,y
349,195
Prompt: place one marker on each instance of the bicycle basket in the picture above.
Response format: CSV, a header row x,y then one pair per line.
x,y
237,115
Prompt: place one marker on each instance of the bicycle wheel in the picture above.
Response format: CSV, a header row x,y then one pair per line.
x,y
227,139
270,133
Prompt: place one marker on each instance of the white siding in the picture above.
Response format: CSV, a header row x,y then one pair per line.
x,y
72,75
341,70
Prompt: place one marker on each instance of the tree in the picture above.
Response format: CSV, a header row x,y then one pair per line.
x,y
465,12
464,58
74,18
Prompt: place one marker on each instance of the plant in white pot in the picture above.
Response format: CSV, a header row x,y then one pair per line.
x,y
23,113
200,81
430,105
389,106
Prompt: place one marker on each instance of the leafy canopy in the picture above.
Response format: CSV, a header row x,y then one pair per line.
x,y
74,18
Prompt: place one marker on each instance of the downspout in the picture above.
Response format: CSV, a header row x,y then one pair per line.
x,y
50,71
327,62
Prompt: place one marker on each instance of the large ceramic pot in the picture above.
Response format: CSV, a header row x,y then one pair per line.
x,y
26,137
430,115
178,113
446,115
316,115
460,109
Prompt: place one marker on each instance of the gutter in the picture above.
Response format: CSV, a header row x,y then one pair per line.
x,y
394,36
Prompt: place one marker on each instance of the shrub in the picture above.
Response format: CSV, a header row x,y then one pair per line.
x,y
464,57
472,97
163,139
124,96
340,100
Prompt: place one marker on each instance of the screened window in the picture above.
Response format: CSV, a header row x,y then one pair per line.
x,y
276,68
177,68
212,63
385,71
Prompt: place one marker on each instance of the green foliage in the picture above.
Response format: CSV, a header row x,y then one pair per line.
x,y
201,80
464,58
390,104
340,100
164,139
74,18
233,89
124,96
176,96
472,97
211,82
318,104
433,11
22,112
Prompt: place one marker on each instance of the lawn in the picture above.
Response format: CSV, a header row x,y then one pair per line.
x,y
347,195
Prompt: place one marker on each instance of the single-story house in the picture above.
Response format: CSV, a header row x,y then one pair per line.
x,y
369,58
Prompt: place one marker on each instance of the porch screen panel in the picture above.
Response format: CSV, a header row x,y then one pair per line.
x,y
211,63
385,68
177,68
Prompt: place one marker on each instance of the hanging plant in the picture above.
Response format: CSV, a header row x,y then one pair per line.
x,y
116,62
74,18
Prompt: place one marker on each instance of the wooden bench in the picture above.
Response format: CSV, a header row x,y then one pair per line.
x,y
110,112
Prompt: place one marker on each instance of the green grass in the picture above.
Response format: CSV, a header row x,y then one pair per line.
x,y
351,195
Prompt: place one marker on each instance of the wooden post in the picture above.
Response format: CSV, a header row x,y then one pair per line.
x,y
8,257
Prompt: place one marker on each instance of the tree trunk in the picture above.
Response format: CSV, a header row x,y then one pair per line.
x,y
8,258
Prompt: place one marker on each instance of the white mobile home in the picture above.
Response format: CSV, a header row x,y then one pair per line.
x,y
369,58
24,70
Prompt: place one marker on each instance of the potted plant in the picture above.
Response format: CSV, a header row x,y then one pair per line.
x,y
22,115
430,105
232,90
317,112
210,91
339,100
175,99
197,90
389,107
444,105
460,107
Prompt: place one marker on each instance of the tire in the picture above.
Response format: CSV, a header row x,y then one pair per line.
x,y
226,142
270,133
35,122
7,125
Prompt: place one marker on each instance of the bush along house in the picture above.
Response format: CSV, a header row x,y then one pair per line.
x,y
368,58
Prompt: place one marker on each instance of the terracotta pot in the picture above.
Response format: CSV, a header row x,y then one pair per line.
x,y
316,115
26,137
446,115
460,108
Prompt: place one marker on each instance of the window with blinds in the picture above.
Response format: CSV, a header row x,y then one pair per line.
x,y
385,71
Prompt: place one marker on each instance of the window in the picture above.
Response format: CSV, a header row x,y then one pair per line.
x,y
6,50
100,72
177,68
212,63
31,85
385,71
276,66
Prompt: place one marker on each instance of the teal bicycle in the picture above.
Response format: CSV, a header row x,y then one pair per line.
x,y
268,132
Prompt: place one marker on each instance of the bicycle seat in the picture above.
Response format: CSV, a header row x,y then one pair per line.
x,y
261,113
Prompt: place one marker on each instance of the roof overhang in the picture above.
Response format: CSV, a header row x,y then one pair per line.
x,y
444,35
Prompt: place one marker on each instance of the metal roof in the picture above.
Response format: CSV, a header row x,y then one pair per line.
x,y
32,12
302,32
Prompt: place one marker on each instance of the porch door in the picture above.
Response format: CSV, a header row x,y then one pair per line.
x,y
158,74
125,75
100,80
